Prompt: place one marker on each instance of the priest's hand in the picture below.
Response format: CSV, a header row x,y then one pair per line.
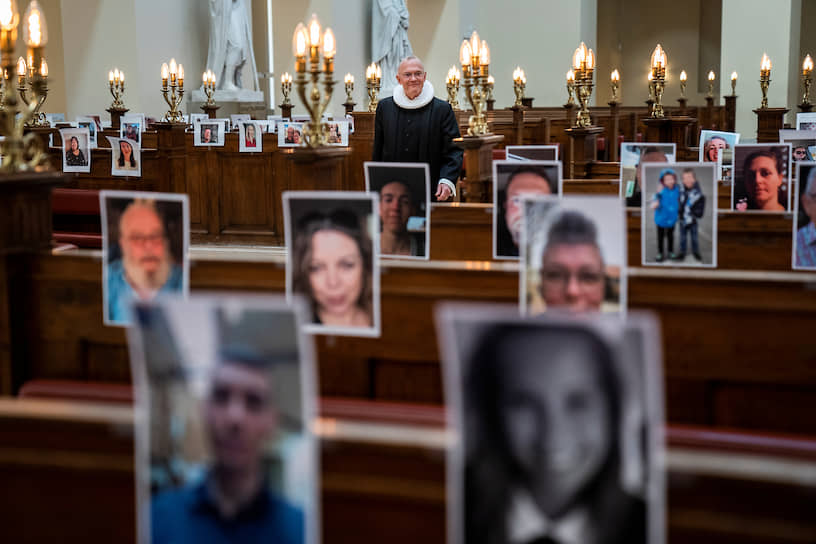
x,y
443,192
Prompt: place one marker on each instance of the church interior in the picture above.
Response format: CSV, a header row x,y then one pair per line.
x,y
737,387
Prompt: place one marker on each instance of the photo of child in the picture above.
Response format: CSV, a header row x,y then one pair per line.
x,y
666,204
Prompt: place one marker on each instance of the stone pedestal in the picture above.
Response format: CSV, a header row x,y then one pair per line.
x,y
769,121
477,186
25,228
116,116
730,113
317,169
582,149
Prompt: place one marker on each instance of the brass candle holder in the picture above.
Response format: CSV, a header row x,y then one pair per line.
x,y
583,64
614,82
27,76
519,85
173,90
452,86
116,84
208,81
319,44
764,79
474,56
657,82
349,84
683,82
733,84
373,83
286,89
807,81
22,152
711,78
490,100
570,88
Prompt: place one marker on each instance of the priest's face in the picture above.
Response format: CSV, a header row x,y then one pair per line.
x,y
411,75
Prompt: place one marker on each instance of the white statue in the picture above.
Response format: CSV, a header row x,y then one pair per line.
x,y
389,39
230,54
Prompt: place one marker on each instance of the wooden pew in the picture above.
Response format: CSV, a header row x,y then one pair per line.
x,y
382,468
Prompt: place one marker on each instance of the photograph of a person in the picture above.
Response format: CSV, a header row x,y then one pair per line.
x,y
132,131
145,241
225,453
679,215
632,158
209,133
803,145
405,207
90,124
532,152
762,175
573,254
332,259
806,121
511,181
804,226
250,139
76,150
717,146
196,118
290,134
338,133
557,440
126,157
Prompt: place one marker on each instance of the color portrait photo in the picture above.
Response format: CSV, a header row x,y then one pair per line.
x,y
556,427
718,147
573,254
513,180
250,137
679,215
76,149
225,398
804,224
532,152
762,174
145,240
632,158
332,241
405,207
126,157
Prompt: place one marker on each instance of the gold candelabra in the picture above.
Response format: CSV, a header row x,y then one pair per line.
x,y
733,83
474,56
349,85
658,81
711,78
22,152
615,84
452,85
373,82
519,85
315,132
764,79
570,88
26,77
683,82
208,80
490,84
286,89
807,80
116,83
173,90
583,64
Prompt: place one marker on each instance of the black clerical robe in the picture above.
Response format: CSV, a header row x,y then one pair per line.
x,y
424,134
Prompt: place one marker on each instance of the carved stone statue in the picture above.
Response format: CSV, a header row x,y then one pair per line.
x,y
389,39
230,55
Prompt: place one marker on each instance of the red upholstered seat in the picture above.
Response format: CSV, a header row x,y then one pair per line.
x,y
75,201
78,390
499,154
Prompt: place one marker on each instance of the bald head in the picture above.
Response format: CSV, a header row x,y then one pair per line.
x,y
142,239
411,76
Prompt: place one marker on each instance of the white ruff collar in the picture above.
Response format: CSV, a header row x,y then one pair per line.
x,y
422,99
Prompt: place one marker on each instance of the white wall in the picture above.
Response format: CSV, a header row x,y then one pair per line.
x,y
751,28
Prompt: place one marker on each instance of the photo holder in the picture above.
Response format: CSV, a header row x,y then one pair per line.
x,y
347,222
250,137
416,182
632,154
665,222
490,354
803,145
767,189
526,177
145,255
136,118
75,158
803,251
209,133
580,239
126,157
532,152
806,121
254,339
710,139
338,133
290,134
237,118
90,124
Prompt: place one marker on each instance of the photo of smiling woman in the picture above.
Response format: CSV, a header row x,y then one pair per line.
x,y
554,431
761,177
332,259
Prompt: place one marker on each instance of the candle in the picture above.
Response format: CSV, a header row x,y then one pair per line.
x,y
329,46
465,54
164,72
173,71
181,75
765,65
615,76
44,68
683,77
314,32
570,76
349,79
35,25
807,66
21,70
711,75
484,54
110,77
733,76
8,15
475,44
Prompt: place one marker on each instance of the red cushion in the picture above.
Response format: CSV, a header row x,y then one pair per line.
x,y
120,393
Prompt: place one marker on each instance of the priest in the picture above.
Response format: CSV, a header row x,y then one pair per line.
x,y
413,126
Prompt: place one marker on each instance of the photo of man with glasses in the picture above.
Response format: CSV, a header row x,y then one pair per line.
x,y
145,240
